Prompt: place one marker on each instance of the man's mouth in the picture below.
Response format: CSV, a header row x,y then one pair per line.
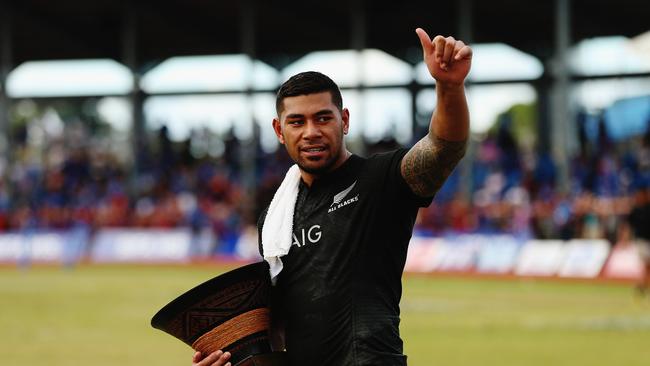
x,y
313,152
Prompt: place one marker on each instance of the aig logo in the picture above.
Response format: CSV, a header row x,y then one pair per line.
x,y
312,236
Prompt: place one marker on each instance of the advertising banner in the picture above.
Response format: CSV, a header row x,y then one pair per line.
x,y
133,245
497,254
540,258
584,258
42,246
624,263
423,254
12,247
457,253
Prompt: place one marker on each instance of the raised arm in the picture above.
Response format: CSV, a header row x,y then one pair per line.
x,y
430,161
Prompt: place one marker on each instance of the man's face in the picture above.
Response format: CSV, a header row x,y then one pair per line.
x,y
311,128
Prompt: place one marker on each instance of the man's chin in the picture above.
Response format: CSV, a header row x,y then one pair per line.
x,y
316,168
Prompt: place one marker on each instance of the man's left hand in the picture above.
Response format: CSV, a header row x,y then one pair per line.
x,y
447,59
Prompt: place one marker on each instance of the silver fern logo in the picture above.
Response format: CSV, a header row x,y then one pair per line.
x,y
339,199
340,196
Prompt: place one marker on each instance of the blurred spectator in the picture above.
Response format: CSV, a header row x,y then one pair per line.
x,y
639,223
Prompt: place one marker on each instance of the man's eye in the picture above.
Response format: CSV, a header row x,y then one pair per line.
x,y
324,118
295,122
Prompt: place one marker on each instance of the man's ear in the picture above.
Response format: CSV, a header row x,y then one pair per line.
x,y
277,127
345,117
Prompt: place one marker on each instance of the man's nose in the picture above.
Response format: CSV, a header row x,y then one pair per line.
x,y
312,130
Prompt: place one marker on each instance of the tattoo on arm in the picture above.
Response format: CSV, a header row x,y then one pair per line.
x,y
429,162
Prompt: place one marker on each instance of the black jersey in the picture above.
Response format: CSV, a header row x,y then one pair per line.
x,y
639,219
340,288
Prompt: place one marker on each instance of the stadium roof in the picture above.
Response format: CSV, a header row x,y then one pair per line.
x,y
279,32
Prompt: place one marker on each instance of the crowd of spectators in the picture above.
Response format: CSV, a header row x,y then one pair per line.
x,y
91,188
517,192
499,189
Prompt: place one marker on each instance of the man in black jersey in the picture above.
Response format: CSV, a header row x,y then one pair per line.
x,y
337,296
639,222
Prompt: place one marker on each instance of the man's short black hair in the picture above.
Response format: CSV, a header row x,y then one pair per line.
x,y
309,82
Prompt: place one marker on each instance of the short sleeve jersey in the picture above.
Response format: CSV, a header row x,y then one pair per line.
x,y
339,291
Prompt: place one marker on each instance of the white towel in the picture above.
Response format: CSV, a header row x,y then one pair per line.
x,y
277,231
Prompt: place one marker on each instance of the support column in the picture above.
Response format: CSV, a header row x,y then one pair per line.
x,y
562,122
6,61
247,30
466,33
357,25
358,29
543,115
465,21
136,97
248,149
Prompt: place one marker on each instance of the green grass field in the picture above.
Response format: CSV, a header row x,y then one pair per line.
x,y
99,315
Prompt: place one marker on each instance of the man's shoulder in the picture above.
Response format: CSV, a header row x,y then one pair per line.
x,y
387,153
385,160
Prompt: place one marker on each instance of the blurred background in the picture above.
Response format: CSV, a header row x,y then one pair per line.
x,y
140,132
120,119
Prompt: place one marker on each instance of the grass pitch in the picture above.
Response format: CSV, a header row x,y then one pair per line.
x,y
99,315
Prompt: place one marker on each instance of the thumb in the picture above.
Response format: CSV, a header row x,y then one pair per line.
x,y
425,41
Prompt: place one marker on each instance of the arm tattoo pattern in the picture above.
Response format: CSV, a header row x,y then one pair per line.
x,y
429,162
